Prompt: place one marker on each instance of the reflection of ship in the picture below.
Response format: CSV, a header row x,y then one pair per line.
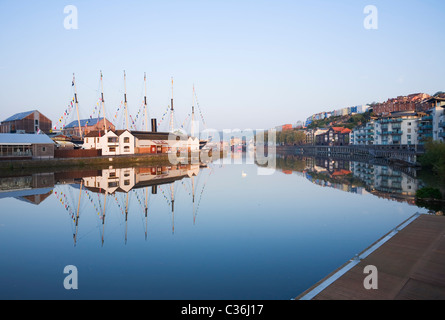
x,y
125,179
121,186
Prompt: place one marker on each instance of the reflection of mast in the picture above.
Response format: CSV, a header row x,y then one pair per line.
x,y
77,106
146,212
126,218
172,187
103,101
103,218
193,198
77,216
125,100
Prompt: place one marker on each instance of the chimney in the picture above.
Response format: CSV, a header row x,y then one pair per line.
x,y
154,126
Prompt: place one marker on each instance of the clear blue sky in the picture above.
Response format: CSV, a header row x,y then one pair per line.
x,y
255,64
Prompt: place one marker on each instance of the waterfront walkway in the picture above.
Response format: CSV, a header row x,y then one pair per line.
x,y
410,262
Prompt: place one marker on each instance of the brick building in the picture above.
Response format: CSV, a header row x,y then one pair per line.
x,y
87,126
26,122
335,136
412,102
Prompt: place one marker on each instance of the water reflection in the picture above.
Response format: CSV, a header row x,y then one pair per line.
x,y
107,190
383,181
255,237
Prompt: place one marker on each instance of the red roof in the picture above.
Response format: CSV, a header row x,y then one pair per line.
x,y
341,130
341,173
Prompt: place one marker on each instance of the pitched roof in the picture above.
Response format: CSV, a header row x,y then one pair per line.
x,y
17,138
95,134
19,116
83,123
147,135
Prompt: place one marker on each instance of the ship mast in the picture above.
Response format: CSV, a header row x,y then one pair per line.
x,y
103,101
172,110
145,103
125,100
77,105
192,131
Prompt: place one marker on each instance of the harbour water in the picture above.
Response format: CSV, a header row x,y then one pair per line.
x,y
216,231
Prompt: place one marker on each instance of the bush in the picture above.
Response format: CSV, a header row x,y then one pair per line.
x,y
434,157
429,193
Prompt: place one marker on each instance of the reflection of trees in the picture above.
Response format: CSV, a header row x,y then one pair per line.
x,y
292,163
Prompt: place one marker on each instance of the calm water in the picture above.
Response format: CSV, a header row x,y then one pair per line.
x,y
242,235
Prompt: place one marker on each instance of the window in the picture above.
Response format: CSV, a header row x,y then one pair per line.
x,y
127,182
112,149
409,130
43,149
126,149
409,123
86,140
126,140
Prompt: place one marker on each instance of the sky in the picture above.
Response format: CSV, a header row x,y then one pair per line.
x,y
254,64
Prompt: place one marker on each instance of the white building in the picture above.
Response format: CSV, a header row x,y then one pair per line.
x,y
438,119
119,142
397,130
364,135
124,142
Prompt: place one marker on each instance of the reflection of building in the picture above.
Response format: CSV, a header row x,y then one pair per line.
x,y
385,181
26,122
125,179
391,181
353,176
32,189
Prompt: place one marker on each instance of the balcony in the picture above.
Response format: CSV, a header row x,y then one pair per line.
x,y
426,136
392,133
426,125
390,121
442,134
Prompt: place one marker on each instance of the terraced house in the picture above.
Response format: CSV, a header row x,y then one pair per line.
x,y
335,136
